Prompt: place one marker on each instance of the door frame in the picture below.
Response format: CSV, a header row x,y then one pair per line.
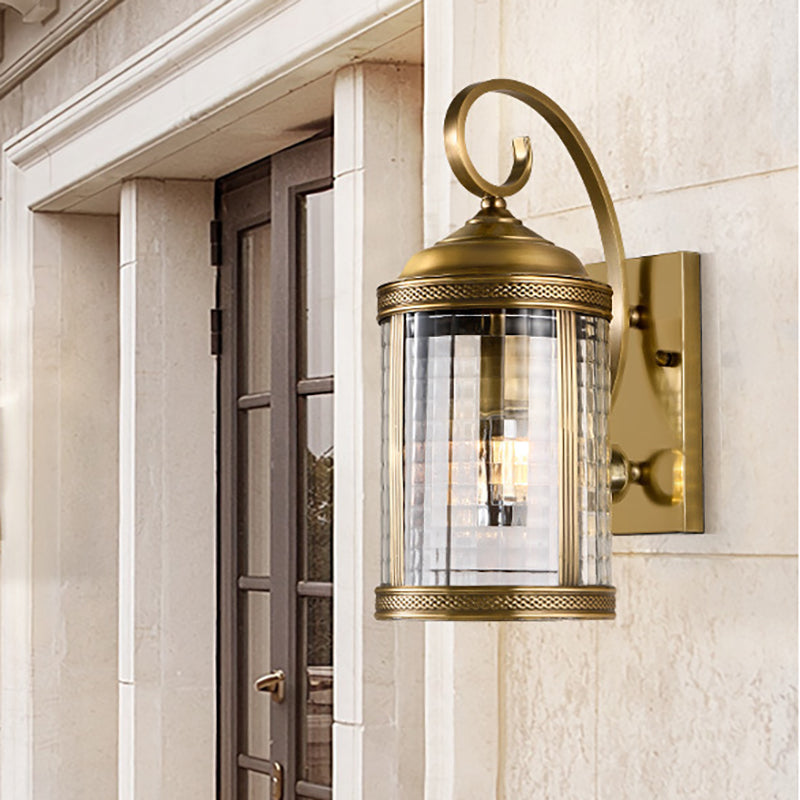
x,y
302,169
251,187
264,192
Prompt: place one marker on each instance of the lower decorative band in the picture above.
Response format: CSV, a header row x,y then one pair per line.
x,y
495,602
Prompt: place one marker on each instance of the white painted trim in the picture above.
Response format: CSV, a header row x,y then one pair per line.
x,y
127,435
348,516
378,693
16,498
60,35
126,641
220,70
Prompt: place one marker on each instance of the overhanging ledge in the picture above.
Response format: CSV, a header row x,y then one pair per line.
x,y
126,124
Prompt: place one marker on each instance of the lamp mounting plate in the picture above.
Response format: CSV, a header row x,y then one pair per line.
x,y
656,418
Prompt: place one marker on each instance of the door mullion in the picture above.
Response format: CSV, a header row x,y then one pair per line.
x,y
283,475
298,170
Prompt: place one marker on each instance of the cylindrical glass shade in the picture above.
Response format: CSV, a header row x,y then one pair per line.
x,y
503,434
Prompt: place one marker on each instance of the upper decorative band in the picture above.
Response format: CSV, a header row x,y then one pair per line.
x,y
495,602
431,294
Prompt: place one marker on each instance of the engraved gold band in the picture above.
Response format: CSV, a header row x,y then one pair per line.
x,y
432,294
495,602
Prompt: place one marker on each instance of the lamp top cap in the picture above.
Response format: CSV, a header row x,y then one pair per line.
x,y
493,243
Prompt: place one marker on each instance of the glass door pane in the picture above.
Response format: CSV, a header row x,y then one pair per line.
x,y
315,451
256,503
316,281
254,255
256,705
259,786
317,719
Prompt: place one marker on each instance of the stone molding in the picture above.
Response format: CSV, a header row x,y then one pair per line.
x,y
33,10
60,35
130,109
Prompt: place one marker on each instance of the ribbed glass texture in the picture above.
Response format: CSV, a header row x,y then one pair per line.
x,y
481,449
594,492
385,532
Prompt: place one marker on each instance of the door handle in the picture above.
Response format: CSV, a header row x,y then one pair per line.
x,y
277,781
272,682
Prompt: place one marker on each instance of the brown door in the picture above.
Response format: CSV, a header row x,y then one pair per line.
x,y
275,294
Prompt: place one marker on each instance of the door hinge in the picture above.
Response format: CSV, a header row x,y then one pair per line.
x,y
215,234
216,331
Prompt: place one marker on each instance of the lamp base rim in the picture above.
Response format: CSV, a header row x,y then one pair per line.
x,y
495,603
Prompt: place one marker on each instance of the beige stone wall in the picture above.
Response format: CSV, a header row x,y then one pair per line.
x,y
72,550
167,532
691,110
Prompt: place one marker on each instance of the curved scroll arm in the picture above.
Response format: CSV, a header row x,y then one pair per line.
x,y
461,164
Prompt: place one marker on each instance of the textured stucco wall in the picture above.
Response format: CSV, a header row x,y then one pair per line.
x,y
73,547
691,110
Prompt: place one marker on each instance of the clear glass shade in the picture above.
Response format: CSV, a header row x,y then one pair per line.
x,y
484,431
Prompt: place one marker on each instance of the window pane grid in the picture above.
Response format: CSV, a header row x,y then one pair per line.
x,y
310,386
254,583
257,400
315,589
276,467
314,391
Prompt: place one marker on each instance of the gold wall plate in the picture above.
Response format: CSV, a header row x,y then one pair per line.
x,y
656,418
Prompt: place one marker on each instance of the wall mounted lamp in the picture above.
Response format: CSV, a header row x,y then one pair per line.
x,y
502,356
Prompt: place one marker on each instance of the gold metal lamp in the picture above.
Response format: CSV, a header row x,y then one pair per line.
x,y
499,356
